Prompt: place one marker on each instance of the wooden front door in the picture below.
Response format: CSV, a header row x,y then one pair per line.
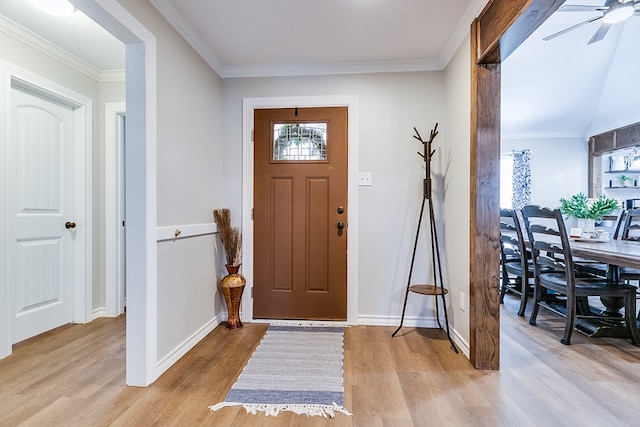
x,y
300,213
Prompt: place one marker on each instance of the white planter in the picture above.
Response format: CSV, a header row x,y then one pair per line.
x,y
588,226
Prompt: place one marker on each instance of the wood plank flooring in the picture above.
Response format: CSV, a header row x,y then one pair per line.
x,y
75,376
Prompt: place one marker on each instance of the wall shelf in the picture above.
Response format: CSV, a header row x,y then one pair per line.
x,y
623,188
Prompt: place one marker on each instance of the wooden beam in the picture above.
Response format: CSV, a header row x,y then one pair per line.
x,y
501,27
485,211
505,24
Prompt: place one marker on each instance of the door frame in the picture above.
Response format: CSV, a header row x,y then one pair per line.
x,y
113,206
83,192
248,107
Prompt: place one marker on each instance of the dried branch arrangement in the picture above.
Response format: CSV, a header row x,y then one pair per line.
x,y
231,236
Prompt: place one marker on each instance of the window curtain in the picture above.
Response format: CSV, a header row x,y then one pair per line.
x,y
521,195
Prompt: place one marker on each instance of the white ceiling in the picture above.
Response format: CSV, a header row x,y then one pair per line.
x,y
287,37
77,34
557,87
564,86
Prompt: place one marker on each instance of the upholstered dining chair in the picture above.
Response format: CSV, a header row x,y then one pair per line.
x,y
517,267
555,271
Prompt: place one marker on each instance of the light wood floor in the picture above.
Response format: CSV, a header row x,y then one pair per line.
x,y
75,377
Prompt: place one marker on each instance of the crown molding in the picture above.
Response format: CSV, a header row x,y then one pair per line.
x,y
181,25
20,33
625,121
462,29
544,135
177,20
322,69
112,75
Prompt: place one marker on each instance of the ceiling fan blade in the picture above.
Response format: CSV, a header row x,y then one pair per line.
x,y
581,8
566,30
599,35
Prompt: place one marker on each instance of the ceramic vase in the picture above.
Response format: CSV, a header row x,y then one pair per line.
x,y
588,226
232,286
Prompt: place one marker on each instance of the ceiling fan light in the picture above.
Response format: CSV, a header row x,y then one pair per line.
x,y
618,14
54,7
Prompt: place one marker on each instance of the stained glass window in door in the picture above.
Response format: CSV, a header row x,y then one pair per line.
x,y
300,141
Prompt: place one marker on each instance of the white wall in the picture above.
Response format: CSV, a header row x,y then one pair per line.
x,y
558,166
453,165
390,106
189,185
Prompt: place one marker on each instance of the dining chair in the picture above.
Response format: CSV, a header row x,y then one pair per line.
x,y
517,267
631,227
615,223
555,271
630,231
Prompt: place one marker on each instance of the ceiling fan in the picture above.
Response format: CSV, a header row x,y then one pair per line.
x,y
613,12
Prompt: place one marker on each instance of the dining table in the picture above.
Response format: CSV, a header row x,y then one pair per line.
x,y
615,253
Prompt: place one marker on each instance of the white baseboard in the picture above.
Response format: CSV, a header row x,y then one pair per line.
x,y
173,356
414,322
98,312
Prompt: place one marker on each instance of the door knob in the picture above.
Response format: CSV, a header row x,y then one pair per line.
x,y
340,225
69,224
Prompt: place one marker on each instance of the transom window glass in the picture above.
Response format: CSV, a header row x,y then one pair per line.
x,y
300,141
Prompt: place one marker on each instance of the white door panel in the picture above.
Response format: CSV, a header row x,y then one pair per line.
x,y
41,251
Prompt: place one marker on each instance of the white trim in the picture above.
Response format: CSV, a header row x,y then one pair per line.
x,y
472,11
248,106
174,355
83,192
5,295
113,200
31,39
176,232
112,76
543,135
625,121
327,68
99,312
175,18
141,190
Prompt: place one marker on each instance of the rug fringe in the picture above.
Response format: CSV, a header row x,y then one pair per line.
x,y
299,409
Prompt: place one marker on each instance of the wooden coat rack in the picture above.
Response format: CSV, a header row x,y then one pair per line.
x,y
437,288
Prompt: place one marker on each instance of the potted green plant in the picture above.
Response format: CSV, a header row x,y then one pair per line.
x,y
625,180
588,210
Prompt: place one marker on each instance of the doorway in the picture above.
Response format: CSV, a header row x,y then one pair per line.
x,y
43,222
300,207
249,107
114,202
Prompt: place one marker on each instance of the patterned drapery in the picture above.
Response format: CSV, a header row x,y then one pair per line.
x,y
521,195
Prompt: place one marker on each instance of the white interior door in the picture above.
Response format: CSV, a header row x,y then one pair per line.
x,y
41,220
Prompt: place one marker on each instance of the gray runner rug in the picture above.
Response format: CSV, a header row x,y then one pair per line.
x,y
295,369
